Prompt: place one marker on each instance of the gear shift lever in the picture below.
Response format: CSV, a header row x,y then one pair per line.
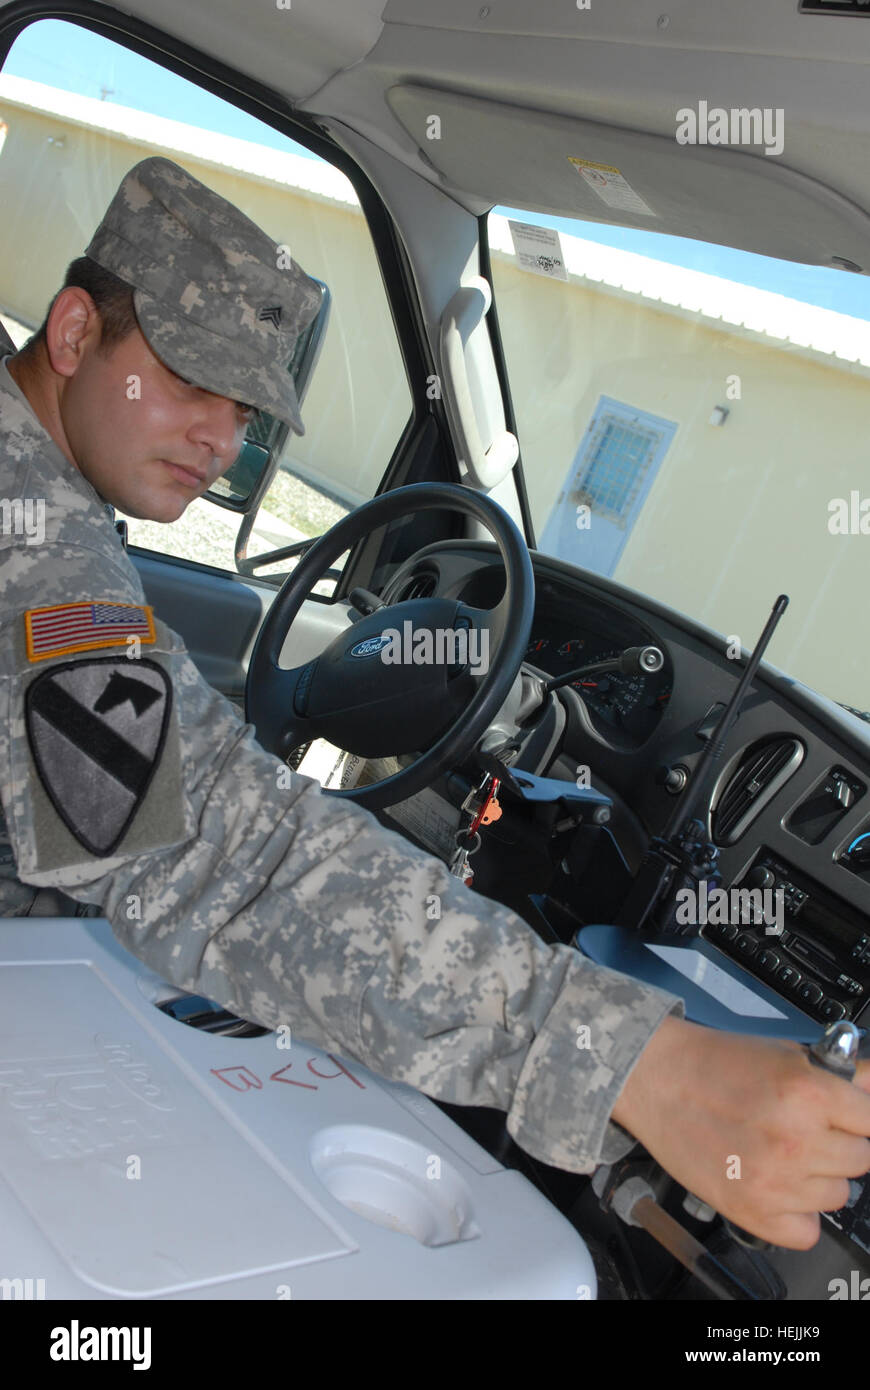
x,y
836,1051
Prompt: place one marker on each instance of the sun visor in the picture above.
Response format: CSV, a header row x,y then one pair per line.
x,y
547,163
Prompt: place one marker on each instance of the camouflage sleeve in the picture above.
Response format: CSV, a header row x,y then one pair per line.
x,y
236,879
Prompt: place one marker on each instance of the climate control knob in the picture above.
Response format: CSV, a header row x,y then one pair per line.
x,y
760,877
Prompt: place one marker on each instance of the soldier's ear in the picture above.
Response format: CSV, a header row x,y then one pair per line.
x,y
73,325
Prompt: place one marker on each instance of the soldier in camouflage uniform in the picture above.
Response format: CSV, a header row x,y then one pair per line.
x,y
129,784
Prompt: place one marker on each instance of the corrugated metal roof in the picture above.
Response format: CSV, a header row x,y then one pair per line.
x,y
820,333
223,151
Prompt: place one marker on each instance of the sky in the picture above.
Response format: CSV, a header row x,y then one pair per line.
x,y
72,58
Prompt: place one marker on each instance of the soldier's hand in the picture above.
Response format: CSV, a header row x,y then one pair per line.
x,y
750,1126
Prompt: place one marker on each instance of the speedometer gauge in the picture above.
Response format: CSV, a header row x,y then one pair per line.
x,y
613,695
573,648
573,631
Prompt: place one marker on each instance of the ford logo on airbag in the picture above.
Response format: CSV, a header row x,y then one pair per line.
x,y
371,646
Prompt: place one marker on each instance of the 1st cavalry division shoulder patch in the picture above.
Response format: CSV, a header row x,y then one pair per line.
x,y
96,729
80,627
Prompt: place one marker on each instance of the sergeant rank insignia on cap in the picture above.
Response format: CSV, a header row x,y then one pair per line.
x,y
271,313
80,627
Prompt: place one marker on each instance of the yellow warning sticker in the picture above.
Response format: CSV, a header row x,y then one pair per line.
x,y
611,187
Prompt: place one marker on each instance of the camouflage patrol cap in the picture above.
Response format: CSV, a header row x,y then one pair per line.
x,y
218,301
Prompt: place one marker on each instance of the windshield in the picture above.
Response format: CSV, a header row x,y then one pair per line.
x,y
694,423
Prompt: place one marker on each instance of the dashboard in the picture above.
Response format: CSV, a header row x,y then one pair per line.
x,y
790,806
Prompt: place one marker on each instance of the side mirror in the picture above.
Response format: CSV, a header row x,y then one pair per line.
x,y
246,482
239,484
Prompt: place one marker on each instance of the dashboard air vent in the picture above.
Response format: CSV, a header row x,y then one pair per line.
x,y
421,585
764,768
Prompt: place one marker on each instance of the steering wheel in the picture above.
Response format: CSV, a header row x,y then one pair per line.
x,y
358,695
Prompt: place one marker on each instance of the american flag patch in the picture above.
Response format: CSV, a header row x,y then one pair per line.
x,y
79,627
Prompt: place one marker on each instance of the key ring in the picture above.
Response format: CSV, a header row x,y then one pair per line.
x,y
469,849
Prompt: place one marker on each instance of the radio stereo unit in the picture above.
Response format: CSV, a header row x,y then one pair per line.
x,y
814,949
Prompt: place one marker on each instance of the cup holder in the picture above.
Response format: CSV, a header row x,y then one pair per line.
x,y
394,1182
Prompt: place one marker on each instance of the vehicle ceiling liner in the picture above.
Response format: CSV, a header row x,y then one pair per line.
x,y
524,158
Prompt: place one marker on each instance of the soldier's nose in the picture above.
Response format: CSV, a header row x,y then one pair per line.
x,y
219,427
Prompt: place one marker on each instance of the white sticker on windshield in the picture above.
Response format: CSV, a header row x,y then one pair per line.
x,y
539,250
715,981
610,186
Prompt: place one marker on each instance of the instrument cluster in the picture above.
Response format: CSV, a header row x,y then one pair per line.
x,y
568,634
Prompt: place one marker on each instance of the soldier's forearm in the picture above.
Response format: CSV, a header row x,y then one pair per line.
x,y
320,919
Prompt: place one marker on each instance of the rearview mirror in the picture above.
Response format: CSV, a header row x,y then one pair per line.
x,y
245,483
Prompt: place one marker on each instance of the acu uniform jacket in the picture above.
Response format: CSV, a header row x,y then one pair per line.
x,y
130,784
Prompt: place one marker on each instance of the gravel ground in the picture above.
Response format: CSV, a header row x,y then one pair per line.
x,y
206,533
301,506
203,533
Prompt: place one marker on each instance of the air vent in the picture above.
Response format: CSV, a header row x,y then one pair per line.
x,y
295,758
420,585
209,1017
763,769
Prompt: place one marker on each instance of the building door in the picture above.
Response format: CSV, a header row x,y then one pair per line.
x,y
606,486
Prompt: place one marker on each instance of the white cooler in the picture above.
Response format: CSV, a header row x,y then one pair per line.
x,y
142,1158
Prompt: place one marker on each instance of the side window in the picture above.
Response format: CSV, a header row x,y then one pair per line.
x,y
76,112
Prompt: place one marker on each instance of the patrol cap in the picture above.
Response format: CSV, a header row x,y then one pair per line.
x,y
218,301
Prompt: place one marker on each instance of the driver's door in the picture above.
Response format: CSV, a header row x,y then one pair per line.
x,y
78,111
